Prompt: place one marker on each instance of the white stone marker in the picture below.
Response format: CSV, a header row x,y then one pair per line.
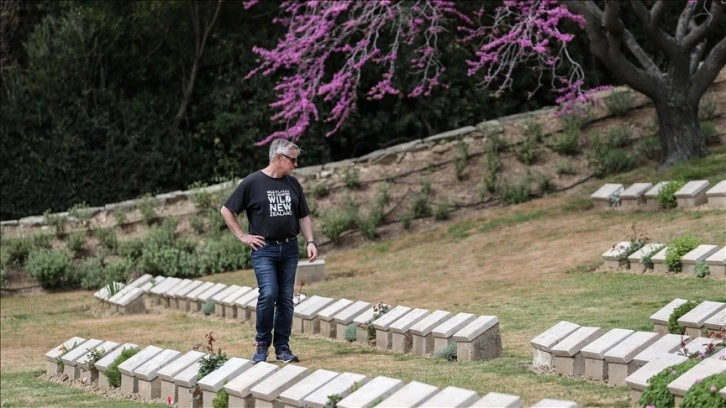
x,y
499,400
168,372
102,364
382,324
328,327
230,309
698,254
342,385
179,299
634,196
308,272
132,302
71,359
695,320
90,374
113,301
206,295
554,403
716,195
162,287
53,355
451,397
411,395
374,390
219,297
443,333
620,357
295,395
543,343
669,343
647,249
658,260
358,314
660,318
211,383
717,264
700,345
190,298
715,323
305,315
104,293
423,337
267,390
651,196
251,307
606,195
147,374
705,368
595,366
615,256
239,388
567,357
129,383
184,381
401,337
243,313
170,296
479,340
692,194
638,380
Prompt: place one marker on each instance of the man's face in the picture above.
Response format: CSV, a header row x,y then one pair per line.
x,y
288,161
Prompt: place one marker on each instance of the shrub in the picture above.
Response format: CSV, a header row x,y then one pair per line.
x,y
565,168
448,353
607,155
515,192
461,159
406,220
221,400
319,189
619,102
710,133
211,361
533,130
369,225
112,372
351,178
667,194
132,249
647,259
107,238
527,151
119,216
419,207
648,147
201,198
496,144
118,271
198,223
673,326
147,207
545,184
677,248
81,213
378,310
335,222
576,118
168,261
701,270
567,143
656,393
57,222
90,274
350,332
494,163
441,211
208,307
705,393
50,268
222,255
19,248
707,109
75,241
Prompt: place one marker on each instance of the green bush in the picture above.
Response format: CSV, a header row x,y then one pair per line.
x,y
319,189
647,259
461,159
441,211
107,238
673,326
667,194
90,274
648,147
619,102
222,255
81,213
545,184
201,198
168,261
120,217
221,400
707,109
656,393
710,133
57,222
567,143
527,151
350,332
705,393
132,249
701,270
112,372
351,178
607,155
515,192
147,206
533,130
677,248
565,168
49,267
75,241
448,353
19,248
119,271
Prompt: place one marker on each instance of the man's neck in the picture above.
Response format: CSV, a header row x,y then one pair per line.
x,y
273,171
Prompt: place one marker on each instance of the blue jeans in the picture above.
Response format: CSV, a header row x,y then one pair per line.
x,y
275,266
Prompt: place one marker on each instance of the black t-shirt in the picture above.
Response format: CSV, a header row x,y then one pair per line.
x,y
273,205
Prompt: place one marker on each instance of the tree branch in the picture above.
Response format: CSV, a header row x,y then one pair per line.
x,y
708,71
716,16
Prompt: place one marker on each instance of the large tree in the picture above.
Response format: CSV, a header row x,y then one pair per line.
x,y
669,50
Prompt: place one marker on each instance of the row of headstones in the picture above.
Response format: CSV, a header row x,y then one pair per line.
x,y
713,255
645,195
628,357
169,375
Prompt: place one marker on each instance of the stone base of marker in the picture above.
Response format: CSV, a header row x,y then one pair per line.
x,y
168,389
596,369
384,339
542,359
328,329
268,404
246,402
90,375
73,372
441,343
311,326
207,398
186,399
129,384
136,306
402,342
635,397
660,328
423,345
361,334
230,312
485,347
617,372
103,381
572,366
243,314
219,309
53,368
149,389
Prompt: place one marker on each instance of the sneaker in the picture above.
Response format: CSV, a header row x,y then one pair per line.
x,y
260,353
285,355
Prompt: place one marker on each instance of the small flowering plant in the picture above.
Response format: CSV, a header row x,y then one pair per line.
x,y
378,310
657,394
208,363
705,392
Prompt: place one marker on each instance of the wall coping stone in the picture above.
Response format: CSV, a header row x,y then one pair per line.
x,y
453,325
555,334
215,380
150,369
575,341
365,396
599,347
109,358
240,386
144,355
180,364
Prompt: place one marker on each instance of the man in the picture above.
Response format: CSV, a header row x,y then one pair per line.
x,y
277,212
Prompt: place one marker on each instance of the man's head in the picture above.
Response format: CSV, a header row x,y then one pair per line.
x,y
286,152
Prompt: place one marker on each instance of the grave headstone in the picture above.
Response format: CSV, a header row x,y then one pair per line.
x,y
634,196
646,250
192,305
90,373
206,296
695,320
219,297
700,346
167,373
147,374
669,343
705,368
596,368
230,308
382,324
129,383
717,264
651,196
716,195
305,315
243,313
451,397
499,400
620,357
266,391
638,381
53,356
185,381
716,323
659,263
423,337
660,318
401,337
550,403
239,388
179,297
411,395
295,395
103,364
444,332
132,302
358,314
698,254
543,343
479,340
71,359
371,392
309,272
341,386
692,194
567,357
214,381
615,257
607,195
328,327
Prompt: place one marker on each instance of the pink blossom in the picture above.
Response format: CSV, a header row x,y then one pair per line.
x,y
712,388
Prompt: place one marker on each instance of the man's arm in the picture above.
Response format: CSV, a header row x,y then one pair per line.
x,y
254,241
306,227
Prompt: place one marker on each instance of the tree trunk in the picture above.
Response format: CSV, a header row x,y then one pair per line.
x,y
681,138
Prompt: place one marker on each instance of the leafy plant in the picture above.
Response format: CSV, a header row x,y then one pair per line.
x,y
211,361
351,178
147,207
701,270
335,222
89,274
198,223
57,222
567,143
677,248
441,211
50,268
201,198
63,351
707,109
107,238
705,393
619,102
333,400
221,400
378,310
419,207
350,332
208,307
673,326
112,372
545,184
120,217
647,259
461,159
448,353
607,155
648,147
75,241
81,213
496,144
533,130
710,133
527,151
319,189
515,192
667,194
94,355
656,393
565,168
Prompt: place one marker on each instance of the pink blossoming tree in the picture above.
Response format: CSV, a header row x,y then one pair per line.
x,y
329,42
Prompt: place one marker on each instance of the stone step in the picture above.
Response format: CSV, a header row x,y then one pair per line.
x,y
411,395
451,397
328,327
695,320
567,357
129,383
401,338
342,385
479,340
295,395
239,388
692,194
716,195
266,391
53,356
147,374
638,381
444,332
167,373
660,318
717,263
620,357
543,343
696,255
596,368
499,400
211,383
305,315
371,392
71,359
423,337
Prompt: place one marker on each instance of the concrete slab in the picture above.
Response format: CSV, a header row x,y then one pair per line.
x,y
660,318
270,388
651,196
694,321
669,343
542,344
620,357
411,395
596,367
499,400
604,197
717,264
342,385
308,272
401,338
698,254
423,337
567,357
716,195
634,196
479,340
371,392
451,397
328,327
692,194
444,332
147,375
295,395
384,338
